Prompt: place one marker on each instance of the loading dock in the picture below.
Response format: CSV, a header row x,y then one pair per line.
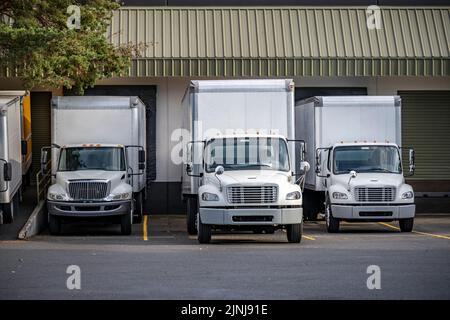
x,y
326,50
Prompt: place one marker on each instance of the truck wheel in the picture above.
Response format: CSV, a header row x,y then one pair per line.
x,y
204,233
8,212
406,225
139,208
125,224
28,178
54,225
294,232
309,207
191,218
331,222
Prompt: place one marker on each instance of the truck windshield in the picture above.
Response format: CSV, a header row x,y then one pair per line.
x,y
92,158
247,154
384,159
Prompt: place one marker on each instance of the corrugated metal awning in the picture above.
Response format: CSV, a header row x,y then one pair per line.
x,y
285,41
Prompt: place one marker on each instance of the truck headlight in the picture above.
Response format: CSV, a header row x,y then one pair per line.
x,y
408,195
121,196
293,195
340,195
207,196
57,196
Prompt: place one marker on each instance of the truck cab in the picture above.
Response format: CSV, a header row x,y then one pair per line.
x,y
364,181
97,160
247,183
91,180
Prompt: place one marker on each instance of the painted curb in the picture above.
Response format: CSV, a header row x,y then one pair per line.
x,y
36,223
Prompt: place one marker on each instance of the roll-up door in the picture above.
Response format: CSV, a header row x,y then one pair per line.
x,y
426,128
41,121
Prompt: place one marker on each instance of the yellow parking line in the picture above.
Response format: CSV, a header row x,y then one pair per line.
x,y
145,228
309,237
389,225
432,235
418,232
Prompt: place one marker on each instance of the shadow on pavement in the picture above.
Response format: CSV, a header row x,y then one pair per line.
x,y
11,231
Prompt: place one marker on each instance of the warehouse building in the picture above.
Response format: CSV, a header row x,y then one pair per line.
x,y
325,50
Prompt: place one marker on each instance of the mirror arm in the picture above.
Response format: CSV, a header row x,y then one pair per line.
x,y
220,182
195,175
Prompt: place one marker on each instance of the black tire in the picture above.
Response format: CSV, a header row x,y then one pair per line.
x,y
54,225
332,223
8,212
406,225
191,218
126,224
294,232
139,207
309,213
28,178
204,233
310,205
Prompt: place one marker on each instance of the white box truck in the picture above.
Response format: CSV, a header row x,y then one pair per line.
x,y
98,160
239,157
26,148
10,156
353,143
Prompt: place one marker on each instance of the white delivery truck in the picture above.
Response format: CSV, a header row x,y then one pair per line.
x,y
26,149
238,171
10,156
98,160
353,142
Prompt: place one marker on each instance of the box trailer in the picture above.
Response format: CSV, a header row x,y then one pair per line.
x,y
98,160
10,156
25,111
353,143
239,157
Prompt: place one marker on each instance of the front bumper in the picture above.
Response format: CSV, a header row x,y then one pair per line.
x,y
251,216
368,212
94,209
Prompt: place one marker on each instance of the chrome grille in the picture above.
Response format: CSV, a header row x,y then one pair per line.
x,y
252,194
88,190
374,194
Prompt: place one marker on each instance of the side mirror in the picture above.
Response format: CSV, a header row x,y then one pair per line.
x,y
44,159
412,160
305,167
7,171
141,156
24,147
318,166
219,170
353,175
141,159
302,151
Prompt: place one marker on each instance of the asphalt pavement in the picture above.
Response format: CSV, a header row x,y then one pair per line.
x,y
160,261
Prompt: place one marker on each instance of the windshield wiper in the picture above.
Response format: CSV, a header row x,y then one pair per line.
x,y
380,170
246,165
